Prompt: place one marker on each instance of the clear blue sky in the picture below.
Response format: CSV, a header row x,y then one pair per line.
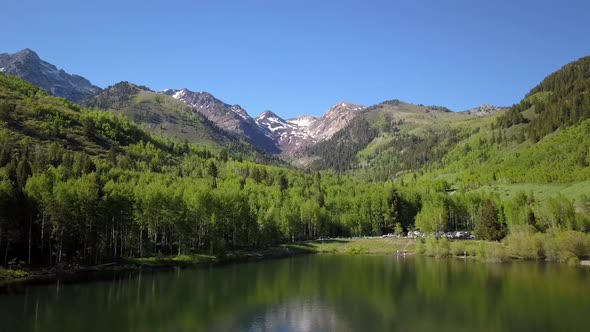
x,y
300,57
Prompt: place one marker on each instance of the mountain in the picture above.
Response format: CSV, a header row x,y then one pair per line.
x,y
168,117
543,139
231,118
391,136
27,65
268,132
294,135
336,118
289,137
386,141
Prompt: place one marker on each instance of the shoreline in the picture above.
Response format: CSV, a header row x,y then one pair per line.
x,y
343,246
48,275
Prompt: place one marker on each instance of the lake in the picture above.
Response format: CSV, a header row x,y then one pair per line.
x,y
315,293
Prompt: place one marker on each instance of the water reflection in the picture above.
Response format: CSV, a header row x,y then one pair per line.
x,y
316,293
294,315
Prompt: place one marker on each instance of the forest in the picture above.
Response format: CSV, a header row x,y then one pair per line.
x,y
85,187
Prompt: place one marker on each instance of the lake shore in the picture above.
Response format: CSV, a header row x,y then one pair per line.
x,y
364,245
480,250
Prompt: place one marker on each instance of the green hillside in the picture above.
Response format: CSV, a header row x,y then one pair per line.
x,y
34,120
542,140
167,117
393,138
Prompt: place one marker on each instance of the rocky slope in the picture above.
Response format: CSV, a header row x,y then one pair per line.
x,y
336,118
485,109
289,137
27,65
231,118
294,135
161,115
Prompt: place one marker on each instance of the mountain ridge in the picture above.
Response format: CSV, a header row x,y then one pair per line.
x,y
27,65
232,118
168,117
267,131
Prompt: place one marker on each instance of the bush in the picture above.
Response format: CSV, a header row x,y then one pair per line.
x,y
356,250
420,248
561,246
458,248
12,273
524,242
443,248
473,249
434,247
480,250
496,253
573,261
575,242
430,246
491,252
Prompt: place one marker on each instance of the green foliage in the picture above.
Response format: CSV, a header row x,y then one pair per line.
x,y
525,242
511,118
489,227
356,250
420,246
436,247
458,248
339,152
496,253
561,100
12,273
561,245
434,215
443,247
398,228
556,245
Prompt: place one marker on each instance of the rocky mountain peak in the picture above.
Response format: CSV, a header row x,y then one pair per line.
x,y
485,109
27,54
232,118
290,137
336,118
295,134
195,99
271,121
28,66
268,114
344,106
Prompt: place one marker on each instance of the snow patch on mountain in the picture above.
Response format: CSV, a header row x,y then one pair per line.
x,y
303,121
241,112
179,94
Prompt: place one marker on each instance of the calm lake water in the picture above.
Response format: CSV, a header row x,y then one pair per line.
x,y
315,293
